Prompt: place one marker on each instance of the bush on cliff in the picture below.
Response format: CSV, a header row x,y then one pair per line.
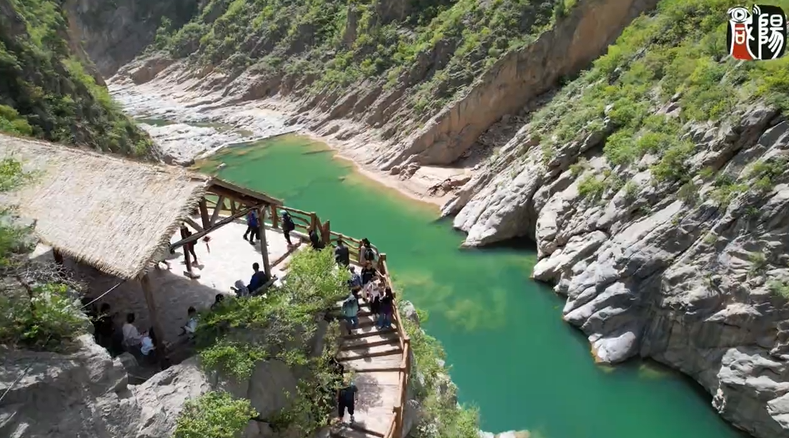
x,y
241,332
39,309
676,56
214,415
46,90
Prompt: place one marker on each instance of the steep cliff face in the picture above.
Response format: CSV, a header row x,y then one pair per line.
x,y
49,88
113,33
656,187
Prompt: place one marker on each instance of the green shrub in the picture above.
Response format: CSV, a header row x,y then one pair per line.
x,y
673,165
12,123
726,189
631,190
758,263
688,194
45,317
237,360
779,288
214,415
592,188
766,172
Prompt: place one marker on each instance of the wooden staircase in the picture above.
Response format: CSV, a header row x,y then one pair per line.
x,y
376,357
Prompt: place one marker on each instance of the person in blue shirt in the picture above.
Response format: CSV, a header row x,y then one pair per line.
x,y
259,278
252,227
355,283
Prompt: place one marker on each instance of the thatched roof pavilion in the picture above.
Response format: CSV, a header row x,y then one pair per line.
x,y
116,214
108,212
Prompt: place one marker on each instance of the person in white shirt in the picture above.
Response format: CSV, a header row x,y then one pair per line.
x,y
131,336
191,325
374,296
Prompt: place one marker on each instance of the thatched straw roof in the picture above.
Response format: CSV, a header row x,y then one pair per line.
x,y
111,213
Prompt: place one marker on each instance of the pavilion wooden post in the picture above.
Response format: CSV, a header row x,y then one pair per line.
x,y
204,214
145,283
58,256
263,244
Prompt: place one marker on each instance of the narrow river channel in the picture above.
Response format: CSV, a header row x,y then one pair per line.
x,y
511,354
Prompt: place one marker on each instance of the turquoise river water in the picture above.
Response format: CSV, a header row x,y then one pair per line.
x,y
510,353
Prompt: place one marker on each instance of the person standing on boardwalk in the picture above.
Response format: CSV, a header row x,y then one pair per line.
x,y
189,247
386,309
346,399
252,227
341,254
350,311
355,283
368,257
315,240
287,226
374,297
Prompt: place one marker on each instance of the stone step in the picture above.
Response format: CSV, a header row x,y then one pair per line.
x,y
374,339
364,351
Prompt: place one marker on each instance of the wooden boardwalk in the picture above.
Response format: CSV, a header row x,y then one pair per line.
x,y
376,358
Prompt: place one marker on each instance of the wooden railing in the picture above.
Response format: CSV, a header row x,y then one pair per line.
x,y
305,222
396,429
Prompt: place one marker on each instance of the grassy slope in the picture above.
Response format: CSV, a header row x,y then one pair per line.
x,y
307,37
45,90
679,52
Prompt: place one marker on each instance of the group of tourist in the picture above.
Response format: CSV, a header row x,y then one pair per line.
x,y
369,285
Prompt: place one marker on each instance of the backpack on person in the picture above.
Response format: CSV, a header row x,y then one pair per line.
x,y
369,254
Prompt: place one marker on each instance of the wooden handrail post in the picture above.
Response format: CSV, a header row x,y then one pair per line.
x,y
326,233
398,429
314,222
274,217
382,264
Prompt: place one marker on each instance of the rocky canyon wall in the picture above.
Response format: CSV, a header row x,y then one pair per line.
x,y
517,78
662,219
113,33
